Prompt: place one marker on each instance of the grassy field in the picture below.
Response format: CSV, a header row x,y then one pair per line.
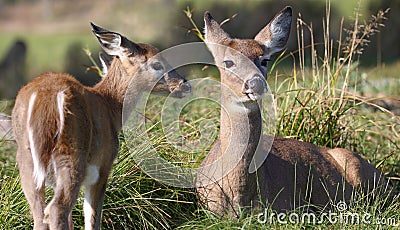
x,y
136,201
326,103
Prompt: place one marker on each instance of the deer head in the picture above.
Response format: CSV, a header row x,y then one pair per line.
x,y
142,62
243,62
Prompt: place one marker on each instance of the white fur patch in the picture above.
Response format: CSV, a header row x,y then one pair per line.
x,y
104,67
92,175
91,178
60,107
239,106
87,209
38,169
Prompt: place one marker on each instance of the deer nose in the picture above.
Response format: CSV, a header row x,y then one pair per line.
x,y
255,87
183,89
185,86
256,84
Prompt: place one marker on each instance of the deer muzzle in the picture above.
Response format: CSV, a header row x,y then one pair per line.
x,y
177,84
254,87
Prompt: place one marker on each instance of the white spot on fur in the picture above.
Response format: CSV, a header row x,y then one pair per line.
x,y
92,175
46,219
239,105
87,209
104,67
60,107
91,178
38,169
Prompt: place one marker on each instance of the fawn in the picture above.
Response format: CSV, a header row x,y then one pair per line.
x,y
294,173
67,134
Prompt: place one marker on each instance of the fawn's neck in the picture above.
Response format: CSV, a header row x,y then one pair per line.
x,y
241,126
113,88
240,132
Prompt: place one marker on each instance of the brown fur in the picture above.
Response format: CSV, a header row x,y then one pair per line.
x,y
247,47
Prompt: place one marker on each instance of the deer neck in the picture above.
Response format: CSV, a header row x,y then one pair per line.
x,y
241,129
113,88
240,132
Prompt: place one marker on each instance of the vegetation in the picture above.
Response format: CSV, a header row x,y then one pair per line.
x,y
325,99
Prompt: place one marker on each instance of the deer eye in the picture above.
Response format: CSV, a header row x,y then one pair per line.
x,y
228,64
264,62
157,66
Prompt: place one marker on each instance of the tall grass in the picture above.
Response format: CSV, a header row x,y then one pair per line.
x,y
317,103
322,103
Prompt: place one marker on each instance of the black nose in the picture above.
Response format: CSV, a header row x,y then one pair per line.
x,y
186,87
255,85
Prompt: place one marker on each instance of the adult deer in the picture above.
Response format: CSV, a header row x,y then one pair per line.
x,y
68,133
294,173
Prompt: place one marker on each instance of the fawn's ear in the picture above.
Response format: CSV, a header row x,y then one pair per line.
x,y
213,31
114,43
274,36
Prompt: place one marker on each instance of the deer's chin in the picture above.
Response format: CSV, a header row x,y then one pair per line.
x,y
183,90
161,93
179,94
253,96
249,98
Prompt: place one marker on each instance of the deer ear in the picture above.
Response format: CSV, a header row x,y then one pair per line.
x,y
274,36
212,30
114,43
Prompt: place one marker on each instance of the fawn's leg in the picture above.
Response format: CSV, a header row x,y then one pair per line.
x,y
35,197
69,175
94,197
